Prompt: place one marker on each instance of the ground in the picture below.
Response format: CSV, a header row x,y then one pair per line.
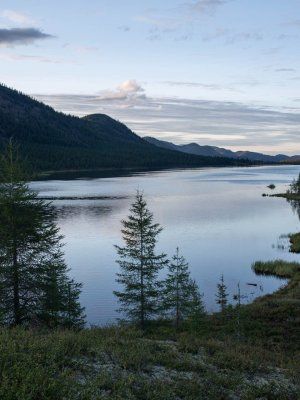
x,y
247,353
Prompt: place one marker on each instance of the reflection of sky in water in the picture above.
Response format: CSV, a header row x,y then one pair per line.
x,y
217,217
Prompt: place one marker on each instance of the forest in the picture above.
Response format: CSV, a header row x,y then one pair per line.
x,y
53,141
165,345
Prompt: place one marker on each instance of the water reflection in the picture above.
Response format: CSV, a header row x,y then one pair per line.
x,y
295,204
217,217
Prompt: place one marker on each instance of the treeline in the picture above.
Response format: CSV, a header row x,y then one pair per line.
x,y
52,140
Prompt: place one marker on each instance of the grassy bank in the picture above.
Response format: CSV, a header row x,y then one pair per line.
x,y
295,242
246,353
288,196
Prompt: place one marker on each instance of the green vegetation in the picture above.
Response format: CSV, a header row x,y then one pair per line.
x,y
181,299
163,363
278,314
222,295
34,283
53,141
139,264
271,186
295,242
249,351
293,193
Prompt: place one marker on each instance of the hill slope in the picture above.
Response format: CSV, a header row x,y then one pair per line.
x,y
54,141
213,151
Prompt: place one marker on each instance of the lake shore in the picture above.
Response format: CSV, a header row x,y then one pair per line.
x,y
247,353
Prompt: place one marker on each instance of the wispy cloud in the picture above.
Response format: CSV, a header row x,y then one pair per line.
x,y
17,17
205,6
171,20
124,28
21,36
227,124
285,70
210,86
231,37
27,57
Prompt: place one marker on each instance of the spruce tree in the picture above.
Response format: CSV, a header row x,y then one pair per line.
x,y
197,309
222,295
139,264
181,297
33,275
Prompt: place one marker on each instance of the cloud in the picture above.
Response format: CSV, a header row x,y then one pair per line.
x,y
26,57
19,36
178,18
285,70
17,17
210,86
294,22
232,37
130,86
126,90
124,28
223,123
206,6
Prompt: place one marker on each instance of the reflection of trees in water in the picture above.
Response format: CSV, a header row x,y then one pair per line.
x,y
87,209
295,206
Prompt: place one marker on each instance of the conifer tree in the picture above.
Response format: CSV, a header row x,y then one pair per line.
x,y
33,275
181,297
222,295
197,308
139,264
295,186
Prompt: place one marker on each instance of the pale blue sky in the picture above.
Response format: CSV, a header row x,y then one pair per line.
x,y
219,72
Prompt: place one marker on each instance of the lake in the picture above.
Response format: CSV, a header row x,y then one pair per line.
x,y
217,217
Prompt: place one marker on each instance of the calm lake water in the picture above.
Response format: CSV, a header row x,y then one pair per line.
x,y
217,217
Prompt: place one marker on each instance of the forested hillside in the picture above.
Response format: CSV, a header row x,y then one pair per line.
x,y
51,140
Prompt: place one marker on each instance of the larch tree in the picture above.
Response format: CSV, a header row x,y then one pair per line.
x,y
181,297
33,275
222,295
139,264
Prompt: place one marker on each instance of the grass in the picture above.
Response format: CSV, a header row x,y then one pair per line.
x,y
219,358
124,363
295,242
287,195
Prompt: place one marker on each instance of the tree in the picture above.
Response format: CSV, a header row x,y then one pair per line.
x,y
33,275
181,297
222,295
139,264
295,186
197,309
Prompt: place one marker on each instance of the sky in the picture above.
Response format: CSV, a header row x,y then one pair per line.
x,y
214,72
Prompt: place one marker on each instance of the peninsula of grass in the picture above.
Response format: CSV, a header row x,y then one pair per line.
x,y
247,352
287,195
295,242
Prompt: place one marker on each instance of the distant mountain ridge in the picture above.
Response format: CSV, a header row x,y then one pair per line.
x,y
53,141
213,151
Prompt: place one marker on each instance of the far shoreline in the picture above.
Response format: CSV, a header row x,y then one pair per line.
x,y
127,171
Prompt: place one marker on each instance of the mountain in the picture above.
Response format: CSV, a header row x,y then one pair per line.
x,y
51,140
213,151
